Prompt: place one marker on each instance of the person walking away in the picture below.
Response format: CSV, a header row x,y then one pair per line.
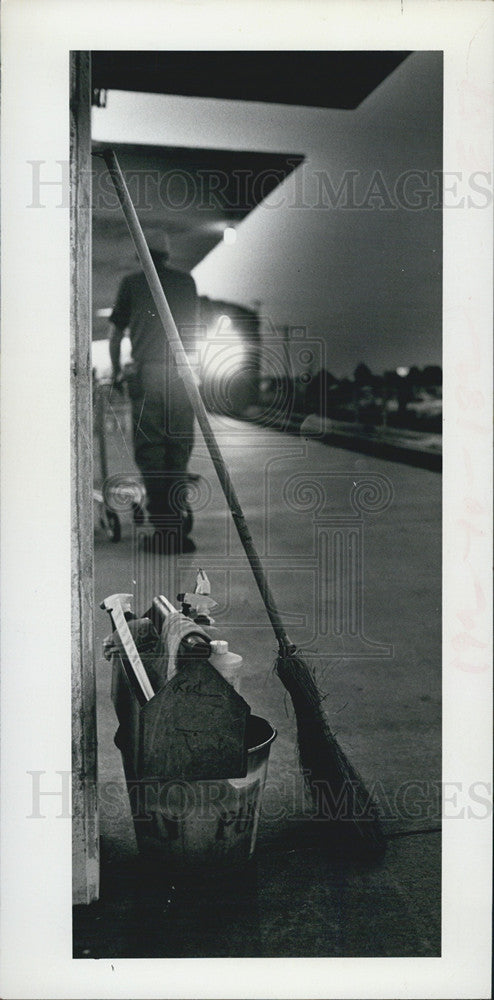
x,y
163,419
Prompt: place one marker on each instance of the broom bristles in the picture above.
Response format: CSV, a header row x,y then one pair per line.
x,y
338,791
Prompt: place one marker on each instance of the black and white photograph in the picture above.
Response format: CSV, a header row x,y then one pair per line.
x,y
262,686
300,257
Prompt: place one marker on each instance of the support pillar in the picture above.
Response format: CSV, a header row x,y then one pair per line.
x,y
85,833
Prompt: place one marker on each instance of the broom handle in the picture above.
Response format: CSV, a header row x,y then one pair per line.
x,y
194,395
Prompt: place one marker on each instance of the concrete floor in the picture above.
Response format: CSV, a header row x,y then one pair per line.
x,y
382,677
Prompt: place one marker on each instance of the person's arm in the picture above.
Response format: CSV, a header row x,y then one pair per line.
x,y
115,340
119,321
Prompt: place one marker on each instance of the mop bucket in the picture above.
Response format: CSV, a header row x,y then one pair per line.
x,y
204,825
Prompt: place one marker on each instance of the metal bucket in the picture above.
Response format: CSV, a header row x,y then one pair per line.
x,y
204,825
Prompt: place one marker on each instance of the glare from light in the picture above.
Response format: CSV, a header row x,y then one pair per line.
x,y
104,313
229,236
402,371
224,322
222,356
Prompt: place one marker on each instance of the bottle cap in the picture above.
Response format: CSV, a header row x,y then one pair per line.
x,y
219,646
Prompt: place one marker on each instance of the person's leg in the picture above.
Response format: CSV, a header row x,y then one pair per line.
x,y
179,440
149,439
163,440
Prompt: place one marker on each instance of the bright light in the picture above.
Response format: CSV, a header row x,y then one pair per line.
x,y
402,371
104,313
229,236
222,355
224,322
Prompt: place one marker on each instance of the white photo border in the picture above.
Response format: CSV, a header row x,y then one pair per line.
x,y
36,869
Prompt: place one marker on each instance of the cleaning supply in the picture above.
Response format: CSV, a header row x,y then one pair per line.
x,y
227,663
118,607
199,604
180,720
180,642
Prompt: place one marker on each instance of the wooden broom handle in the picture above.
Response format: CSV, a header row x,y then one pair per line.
x,y
194,395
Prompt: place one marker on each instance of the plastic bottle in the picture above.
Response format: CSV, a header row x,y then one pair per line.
x,y
226,663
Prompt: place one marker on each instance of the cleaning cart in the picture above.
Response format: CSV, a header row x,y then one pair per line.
x,y
107,514
108,518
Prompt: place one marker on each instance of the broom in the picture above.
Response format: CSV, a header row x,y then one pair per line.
x,y
337,789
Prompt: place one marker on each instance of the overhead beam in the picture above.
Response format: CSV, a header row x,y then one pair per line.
x,y
321,79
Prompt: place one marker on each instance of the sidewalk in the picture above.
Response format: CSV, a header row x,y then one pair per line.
x,y
398,444
418,448
298,899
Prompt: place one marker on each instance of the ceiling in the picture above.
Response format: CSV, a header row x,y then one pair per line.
x,y
305,78
193,194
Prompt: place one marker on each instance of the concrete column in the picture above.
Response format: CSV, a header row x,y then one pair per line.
x,y
85,834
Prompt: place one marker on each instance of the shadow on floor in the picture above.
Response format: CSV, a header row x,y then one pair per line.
x,y
294,899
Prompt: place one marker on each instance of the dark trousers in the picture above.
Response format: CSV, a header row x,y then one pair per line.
x,y
163,439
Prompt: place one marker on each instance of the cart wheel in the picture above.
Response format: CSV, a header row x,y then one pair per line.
x,y
138,513
111,526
